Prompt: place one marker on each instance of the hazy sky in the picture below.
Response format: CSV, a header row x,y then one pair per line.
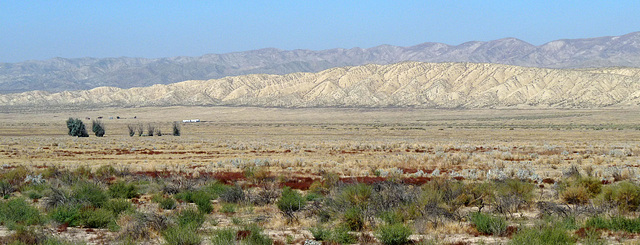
x,y
107,28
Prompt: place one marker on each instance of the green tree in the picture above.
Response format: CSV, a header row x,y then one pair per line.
x,y
97,127
77,128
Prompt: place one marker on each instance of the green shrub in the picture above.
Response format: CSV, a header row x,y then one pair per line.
x,y
625,195
544,234
488,224
392,217
90,193
203,201
614,223
121,189
176,129
66,214
313,196
214,189
593,185
341,235
232,194
354,219
179,235
17,211
117,206
575,195
256,237
6,189
290,202
97,218
511,195
190,218
164,202
320,233
356,195
223,236
395,234
228,208
97,127
76,128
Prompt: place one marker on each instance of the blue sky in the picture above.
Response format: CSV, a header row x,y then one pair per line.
x,y
36,30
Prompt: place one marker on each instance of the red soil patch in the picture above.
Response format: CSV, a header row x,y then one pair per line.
x,y
548,181
300,183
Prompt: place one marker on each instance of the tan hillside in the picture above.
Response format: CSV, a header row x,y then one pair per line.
x,y
410,84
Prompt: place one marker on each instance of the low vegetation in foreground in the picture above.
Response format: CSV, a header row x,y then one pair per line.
x,y
118,206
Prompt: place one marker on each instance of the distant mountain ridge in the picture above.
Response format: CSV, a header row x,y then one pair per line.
x,y
407,84
61,74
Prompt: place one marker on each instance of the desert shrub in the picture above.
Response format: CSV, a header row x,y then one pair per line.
x,y
6,189
542,234
575,195
290,202
140,129
82,172
395,234
313,196
164,202
97,218
66,214
137,226
150,129
392,216
625,195
58,197
121,189
203,202
353,218
16,175
356,195
320,233
98,128
511,195
579,190
256,237
117,206
341,235
488,224
617,223
190,218
593,185
132,129
223,236
76,128
35,190
17,211
232,194
176,129
179,235
105,171
214,189
23,235
90,193
228,208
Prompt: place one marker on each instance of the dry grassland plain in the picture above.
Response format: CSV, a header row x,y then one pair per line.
x,y
295,147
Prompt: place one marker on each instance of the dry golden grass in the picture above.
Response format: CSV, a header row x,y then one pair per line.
x,y
280,144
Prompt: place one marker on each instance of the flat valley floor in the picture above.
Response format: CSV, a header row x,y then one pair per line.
x,y
299,146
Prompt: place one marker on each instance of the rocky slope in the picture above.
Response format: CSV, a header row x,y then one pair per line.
x,y
408,84
61,74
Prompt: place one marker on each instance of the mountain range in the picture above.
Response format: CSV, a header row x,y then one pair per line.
x,y
61,74
406,84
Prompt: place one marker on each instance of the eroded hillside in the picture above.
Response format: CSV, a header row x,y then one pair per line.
x,y
409,84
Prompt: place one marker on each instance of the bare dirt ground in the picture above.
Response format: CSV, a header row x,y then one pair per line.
x,y
298,146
